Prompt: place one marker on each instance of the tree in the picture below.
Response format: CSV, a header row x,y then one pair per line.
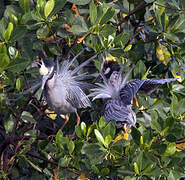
x,y
148,34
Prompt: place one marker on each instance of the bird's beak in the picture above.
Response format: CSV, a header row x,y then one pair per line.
x,y
44,79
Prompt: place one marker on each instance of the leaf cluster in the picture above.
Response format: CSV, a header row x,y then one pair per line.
x,y
149,34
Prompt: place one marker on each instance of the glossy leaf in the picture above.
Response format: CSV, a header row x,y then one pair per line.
x,y
25,5
79,2
9,124
109,13
27,117
95,152
49,7
71,147
8,31
99,136
83,128
93,12
102,123
18,84
4,61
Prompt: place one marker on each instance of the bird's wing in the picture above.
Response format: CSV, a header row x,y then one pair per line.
x,y
116,110
77,98
151,85
145,86
129,90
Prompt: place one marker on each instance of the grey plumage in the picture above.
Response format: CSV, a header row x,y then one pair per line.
x,y
119,95
64,87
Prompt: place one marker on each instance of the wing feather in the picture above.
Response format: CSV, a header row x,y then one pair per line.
x,y
116,110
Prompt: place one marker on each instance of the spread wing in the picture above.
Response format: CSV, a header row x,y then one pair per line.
x,y
145,86
129,90
151,85
116,110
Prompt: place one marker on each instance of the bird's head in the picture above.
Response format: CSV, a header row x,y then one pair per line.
x,y
107,68
46,70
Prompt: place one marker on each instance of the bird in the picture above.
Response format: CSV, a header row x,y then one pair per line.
x,y
118,94
64,87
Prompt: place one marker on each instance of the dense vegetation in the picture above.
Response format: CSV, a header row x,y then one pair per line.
x,y
147,34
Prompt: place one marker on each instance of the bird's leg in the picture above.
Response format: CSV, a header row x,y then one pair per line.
x,y
66,121
136,101
77,119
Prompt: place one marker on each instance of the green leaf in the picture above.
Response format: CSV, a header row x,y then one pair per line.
x,y
93,12
169,122
13,52
102,123
3,25
34,166
108,140
174,105
107,16
3,49
148,169
4,61
19,32
32,132
136,169
121,39
99,137
91,128
59,4
8,31
40,6
18,84
95,152
146,73
9,124
83,128
108,30
13,17
79,2
181,107
109,129
170,150
59,136
78,131
27,117
139,69
155,125
71,147
166,21
64,161
77,29
136,135
49,7
25,5
105,171
18,65
42,32
128,48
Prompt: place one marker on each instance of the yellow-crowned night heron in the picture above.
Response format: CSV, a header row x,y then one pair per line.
x,y
63,87
119,95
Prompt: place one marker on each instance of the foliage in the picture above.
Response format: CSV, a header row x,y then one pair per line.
x,y
149,34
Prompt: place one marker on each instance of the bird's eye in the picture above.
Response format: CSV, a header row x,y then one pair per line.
x,y
107,71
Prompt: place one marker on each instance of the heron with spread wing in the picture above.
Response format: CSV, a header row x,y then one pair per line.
x,y
118,95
